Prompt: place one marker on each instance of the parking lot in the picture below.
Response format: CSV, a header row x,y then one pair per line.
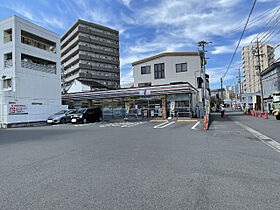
x,y
137,165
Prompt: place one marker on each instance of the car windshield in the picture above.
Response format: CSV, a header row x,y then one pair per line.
x,y
72,111
80,111
61,112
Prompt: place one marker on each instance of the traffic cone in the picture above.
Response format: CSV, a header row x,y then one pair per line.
x,y
205,122
256,114
253,114
265,115
260,116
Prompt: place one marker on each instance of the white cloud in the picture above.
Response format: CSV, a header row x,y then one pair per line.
x,y
126,3
222,50
127,77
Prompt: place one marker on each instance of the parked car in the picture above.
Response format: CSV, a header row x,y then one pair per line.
x,y
85,115
64,116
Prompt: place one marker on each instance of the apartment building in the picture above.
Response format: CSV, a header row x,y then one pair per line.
x,y
251,78
90,55
29,71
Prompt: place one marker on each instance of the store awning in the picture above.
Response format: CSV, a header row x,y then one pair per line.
x,y
146,91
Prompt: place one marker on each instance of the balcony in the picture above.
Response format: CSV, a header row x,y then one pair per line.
x,y
91,67
38,42
102,77
38,67
8,63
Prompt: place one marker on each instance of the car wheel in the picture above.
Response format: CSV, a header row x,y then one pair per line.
x,y
62,121
85,121
278,117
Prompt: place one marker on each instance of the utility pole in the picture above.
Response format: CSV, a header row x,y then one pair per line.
x,y
63,80
239,81
222,95
259,72
203,63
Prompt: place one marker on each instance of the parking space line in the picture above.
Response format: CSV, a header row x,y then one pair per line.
x,y
196,124
163,125
160,124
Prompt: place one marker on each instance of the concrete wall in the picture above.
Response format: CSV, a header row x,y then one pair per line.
x,y
271,82
28,85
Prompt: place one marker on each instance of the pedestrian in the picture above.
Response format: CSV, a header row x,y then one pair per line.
x,y
222,111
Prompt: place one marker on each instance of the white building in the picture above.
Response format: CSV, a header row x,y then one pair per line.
x,y
30,75
170,68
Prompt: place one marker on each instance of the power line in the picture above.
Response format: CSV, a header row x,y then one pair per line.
x,y
251,22
262,33
240,38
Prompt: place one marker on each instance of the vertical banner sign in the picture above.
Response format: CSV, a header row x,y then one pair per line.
x,y
15,109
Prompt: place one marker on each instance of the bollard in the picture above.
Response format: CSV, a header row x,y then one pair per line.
x,y
265,115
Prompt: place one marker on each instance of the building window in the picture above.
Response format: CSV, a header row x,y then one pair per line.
x,y
7,84
181,67
159,71
145,69
147,84
8,62
8,35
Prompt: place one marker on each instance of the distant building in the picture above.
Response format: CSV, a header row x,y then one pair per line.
x,y
251,79
251,100
90,54
271,83
170,68
29,72
217,93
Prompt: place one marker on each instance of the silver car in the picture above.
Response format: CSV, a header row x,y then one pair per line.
x,y
64,116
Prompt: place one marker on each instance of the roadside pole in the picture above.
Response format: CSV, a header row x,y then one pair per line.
x,y
203,63
259,72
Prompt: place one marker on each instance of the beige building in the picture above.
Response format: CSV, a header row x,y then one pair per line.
x,y
251,81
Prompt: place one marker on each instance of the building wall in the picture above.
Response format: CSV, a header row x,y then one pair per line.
x,y
29,86
251,80
193,66
271,82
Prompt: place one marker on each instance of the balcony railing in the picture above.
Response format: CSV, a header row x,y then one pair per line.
x,y
8,63
38,67
8,38
92,76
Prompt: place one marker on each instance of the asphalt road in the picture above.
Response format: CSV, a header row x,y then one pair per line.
x,y
139,165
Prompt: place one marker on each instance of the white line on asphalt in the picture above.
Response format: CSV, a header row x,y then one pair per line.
x,y
265,139
196,124
164,125
160,124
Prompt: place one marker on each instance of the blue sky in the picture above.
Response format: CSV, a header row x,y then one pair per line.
x,y
148,27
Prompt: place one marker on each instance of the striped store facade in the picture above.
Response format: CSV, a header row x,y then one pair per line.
x,y
149,100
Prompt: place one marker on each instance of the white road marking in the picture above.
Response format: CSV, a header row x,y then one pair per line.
x,y
196,124
265,139
164,125
160,124
122,124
